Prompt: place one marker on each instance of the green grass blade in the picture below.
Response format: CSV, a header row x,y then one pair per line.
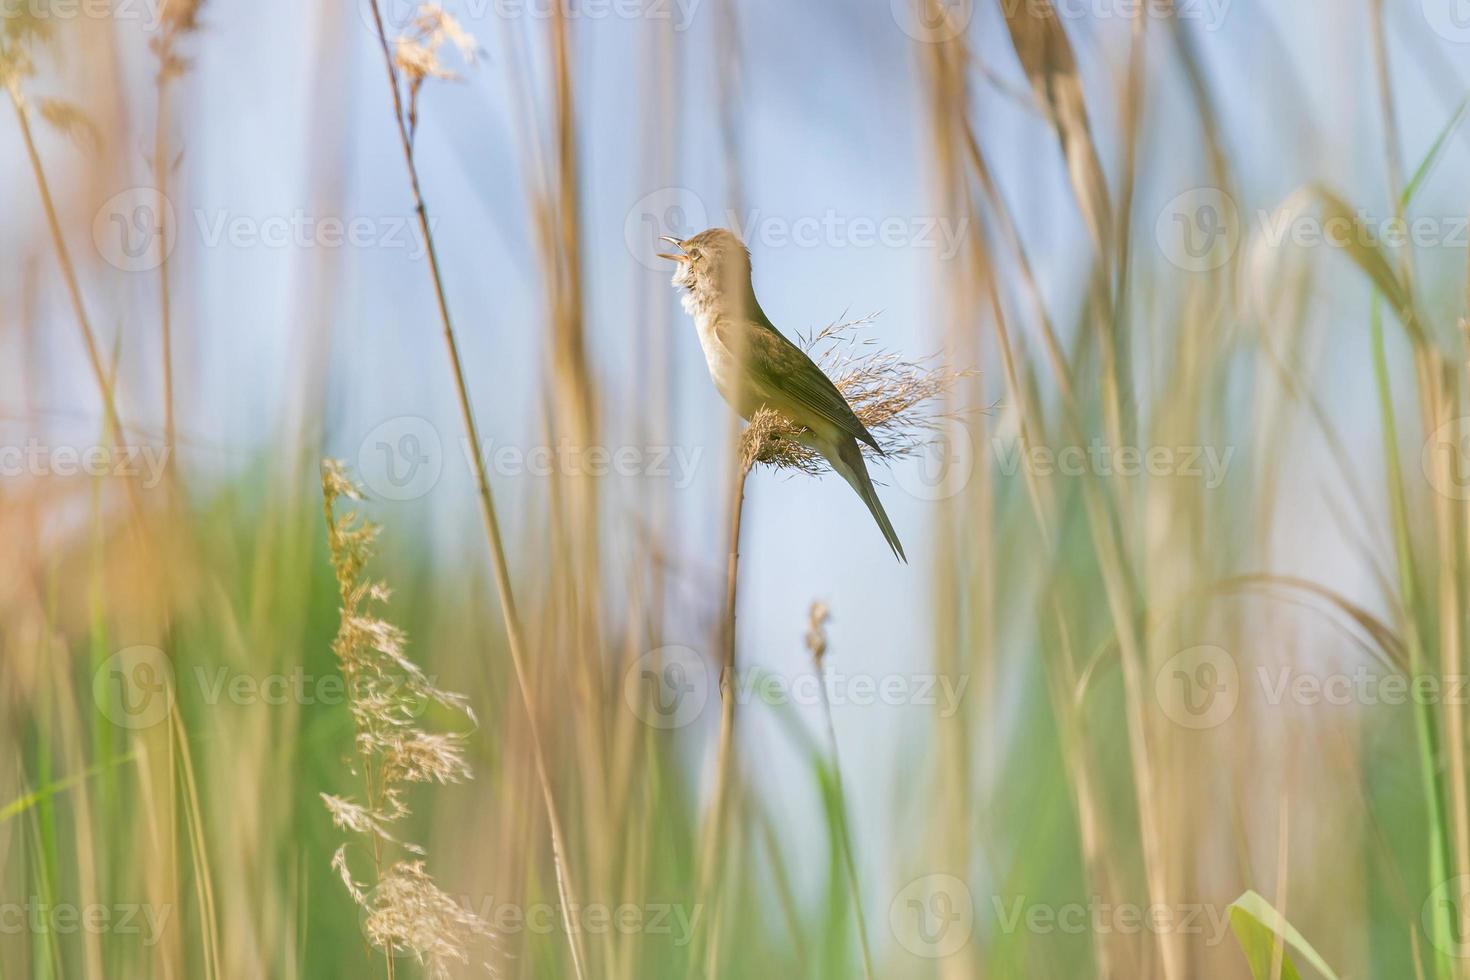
x,y
1260,929
1432,157
34,798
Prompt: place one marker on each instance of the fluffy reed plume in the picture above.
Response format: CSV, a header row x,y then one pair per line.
x,y
404,910
178,19
416,54
19,32
816,632
891,395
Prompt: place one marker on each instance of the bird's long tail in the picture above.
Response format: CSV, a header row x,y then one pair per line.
x,y
848,461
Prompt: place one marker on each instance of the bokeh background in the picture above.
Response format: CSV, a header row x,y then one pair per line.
x,y
1185,614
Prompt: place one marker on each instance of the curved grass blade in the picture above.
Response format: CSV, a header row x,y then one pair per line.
x,y
1265,936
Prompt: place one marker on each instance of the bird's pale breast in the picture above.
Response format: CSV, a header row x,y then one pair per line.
x,y
721,362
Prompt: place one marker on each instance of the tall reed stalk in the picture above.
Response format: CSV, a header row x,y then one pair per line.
x,y
514,637
714,832
179,18
816,644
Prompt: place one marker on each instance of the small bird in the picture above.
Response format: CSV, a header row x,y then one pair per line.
x,y
754,366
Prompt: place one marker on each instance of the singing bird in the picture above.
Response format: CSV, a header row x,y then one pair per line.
x,y
753,365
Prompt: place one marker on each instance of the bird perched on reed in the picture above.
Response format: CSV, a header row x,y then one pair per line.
x,y
754,366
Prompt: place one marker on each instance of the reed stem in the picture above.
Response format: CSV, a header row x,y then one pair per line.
x,y
714,827
514,635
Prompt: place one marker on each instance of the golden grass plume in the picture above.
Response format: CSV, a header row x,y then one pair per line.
x,y
405,912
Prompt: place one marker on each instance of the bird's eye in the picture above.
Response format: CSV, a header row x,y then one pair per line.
x,y
695,255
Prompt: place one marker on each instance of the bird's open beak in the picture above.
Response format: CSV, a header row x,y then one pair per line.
x,y
677,244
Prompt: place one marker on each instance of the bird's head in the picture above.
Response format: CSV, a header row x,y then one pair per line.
x,y
712,265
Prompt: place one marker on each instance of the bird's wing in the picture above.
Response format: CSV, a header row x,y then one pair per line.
x,y
783,371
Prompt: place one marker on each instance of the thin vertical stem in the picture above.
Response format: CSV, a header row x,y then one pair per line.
x,y
68,272
514,636
165,306
714,827
845,841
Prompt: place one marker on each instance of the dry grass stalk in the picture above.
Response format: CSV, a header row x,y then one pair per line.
x,y
515,640
20,34
894,398
179,19
405,911
1046,55
816,645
